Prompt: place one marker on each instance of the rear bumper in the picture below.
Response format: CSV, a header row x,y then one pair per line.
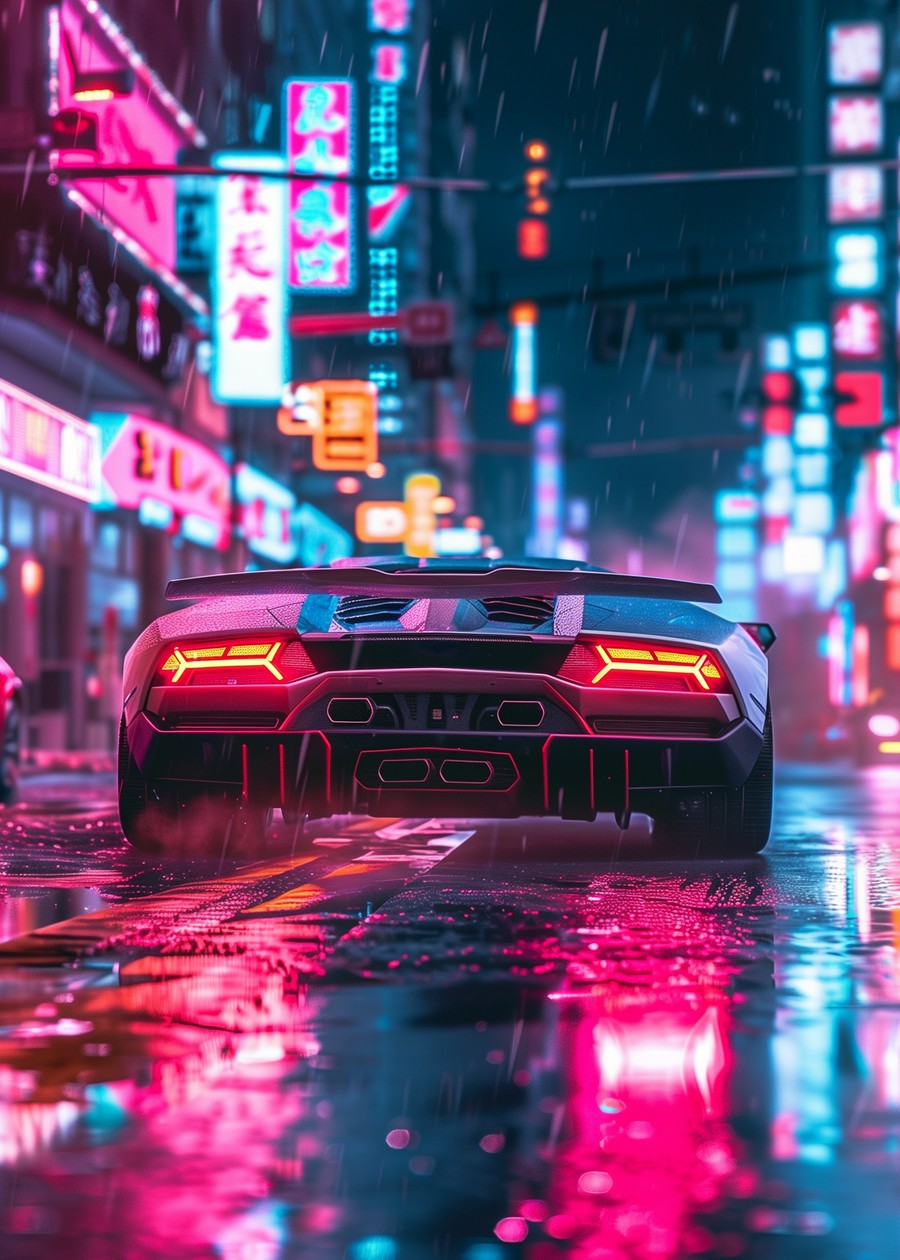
x,y
387,773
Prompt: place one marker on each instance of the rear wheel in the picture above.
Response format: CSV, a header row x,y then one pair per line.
x,y
721,822
183,819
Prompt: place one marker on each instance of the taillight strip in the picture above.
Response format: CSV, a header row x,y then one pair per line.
x,y
698,665
189,661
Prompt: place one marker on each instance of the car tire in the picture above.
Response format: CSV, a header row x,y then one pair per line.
x,y
721,822
9,756
185,820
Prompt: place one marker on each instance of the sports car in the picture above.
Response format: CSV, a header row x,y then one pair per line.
x,y
446,687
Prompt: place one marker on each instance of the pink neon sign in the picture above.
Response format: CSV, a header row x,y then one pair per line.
x,y
148,460
856,329
140,127
319,121
855,53
855,194
855,124
45,444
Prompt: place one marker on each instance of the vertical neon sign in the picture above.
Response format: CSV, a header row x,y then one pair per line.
x,y
249,325
319,142
523,407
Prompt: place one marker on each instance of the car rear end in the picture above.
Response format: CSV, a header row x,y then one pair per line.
x,y
394,709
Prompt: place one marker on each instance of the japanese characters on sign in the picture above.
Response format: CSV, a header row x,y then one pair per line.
x,y
347,439
855,125
265,514
147,462
391,16
44,444
412,521
249,323
855,53
855,194
319,142
857,329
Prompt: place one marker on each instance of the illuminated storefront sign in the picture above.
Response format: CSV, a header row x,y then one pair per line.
x,y
185,483
135,121
42,443
855,53
857,329
319,141
249,324
319,539
420,492
855,124
412,522
523,406
264,514
855,194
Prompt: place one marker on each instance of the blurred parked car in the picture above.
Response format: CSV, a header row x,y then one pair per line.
x,y
10,732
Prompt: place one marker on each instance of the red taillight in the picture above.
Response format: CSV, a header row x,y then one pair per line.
x,y
643,666
253,661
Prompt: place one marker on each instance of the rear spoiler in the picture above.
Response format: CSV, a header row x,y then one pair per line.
x,y
761,632
424,583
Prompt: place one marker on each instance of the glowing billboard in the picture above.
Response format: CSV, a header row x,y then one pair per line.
x,y
185,484
47,445
249,320
101,78
319,142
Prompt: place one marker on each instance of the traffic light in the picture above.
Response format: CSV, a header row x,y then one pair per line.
x,y
532,232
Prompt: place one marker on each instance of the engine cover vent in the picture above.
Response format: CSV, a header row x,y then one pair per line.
x,y
366,610
519,610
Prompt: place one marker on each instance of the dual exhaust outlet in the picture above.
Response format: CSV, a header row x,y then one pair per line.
x,y
359,711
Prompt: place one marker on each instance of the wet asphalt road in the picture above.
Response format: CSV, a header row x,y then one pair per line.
x,y
423,1039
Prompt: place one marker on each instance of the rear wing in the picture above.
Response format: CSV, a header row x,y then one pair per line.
x,y
431,584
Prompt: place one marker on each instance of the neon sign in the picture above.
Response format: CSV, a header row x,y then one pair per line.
x,y
44,444
145,460
856,329
319,141
249,317
855,194
391,16
135,124
855,124
855,53
523,407
264,512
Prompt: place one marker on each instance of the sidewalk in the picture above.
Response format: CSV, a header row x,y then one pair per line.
x,y
62,761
